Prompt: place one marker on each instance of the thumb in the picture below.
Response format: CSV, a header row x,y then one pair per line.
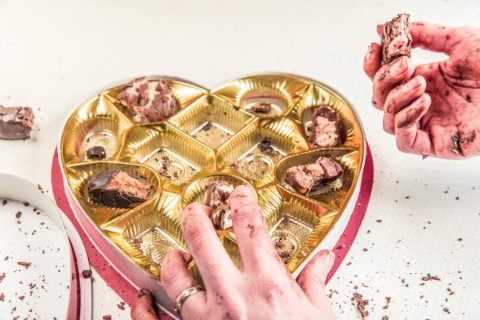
x,y
142,308
312,280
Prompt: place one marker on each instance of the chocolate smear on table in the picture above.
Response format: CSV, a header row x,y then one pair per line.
x,y
430,277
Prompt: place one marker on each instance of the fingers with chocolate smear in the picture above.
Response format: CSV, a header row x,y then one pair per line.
x,y
251,230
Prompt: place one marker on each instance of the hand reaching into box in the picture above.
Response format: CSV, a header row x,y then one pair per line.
x,y
263,288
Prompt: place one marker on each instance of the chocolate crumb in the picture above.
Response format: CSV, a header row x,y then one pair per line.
x,y
18,214
446,310
119,306
4,202
86,274
26,204
430,277
25,264
236,108
6,258
108,317
360,304
21,297
379,221
2,297
2,276
206,127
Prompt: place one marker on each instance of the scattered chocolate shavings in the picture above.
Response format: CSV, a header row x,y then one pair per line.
x,y
6,258
18,214
446,310
365,249
361,304
2,297
24,264
379,221
108,317
119,306
21,297
86,274
430,277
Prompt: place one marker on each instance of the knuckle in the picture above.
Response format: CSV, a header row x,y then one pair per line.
x,y
193,230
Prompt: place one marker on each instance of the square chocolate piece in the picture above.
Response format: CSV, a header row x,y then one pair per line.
x,y
325,127
15,123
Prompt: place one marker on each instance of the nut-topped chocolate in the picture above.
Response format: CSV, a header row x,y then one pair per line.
x,y
217,199
117,189
396,38
15,123
325,127
150,101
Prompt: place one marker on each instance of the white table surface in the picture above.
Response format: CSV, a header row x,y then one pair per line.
x,y
53,53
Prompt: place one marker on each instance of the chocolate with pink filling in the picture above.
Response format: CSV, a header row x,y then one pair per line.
x,y
15,123
325,127
311,177
151,101
117,189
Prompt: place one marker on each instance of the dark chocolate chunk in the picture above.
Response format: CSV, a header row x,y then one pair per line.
x,y
325,127
206,127
331,168
86,274
263,107
15,123
396,38
265,145
96,152
117,189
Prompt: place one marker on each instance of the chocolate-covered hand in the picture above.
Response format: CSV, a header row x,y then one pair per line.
x,y
262,289
432,109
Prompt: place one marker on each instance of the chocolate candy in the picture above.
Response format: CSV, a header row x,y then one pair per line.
x,y
15,123
396,39
117,189
311,177
96,153
150,101
217,199
325,127
260,108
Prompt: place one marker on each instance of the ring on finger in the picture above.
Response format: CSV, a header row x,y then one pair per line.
x,y
184,295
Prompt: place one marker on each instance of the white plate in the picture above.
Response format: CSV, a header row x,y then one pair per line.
x,y
38,237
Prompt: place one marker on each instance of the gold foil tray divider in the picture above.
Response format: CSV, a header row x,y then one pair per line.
x,y
349,160
149,229
350,131
242,152
149,144
287,88
97,120
79,176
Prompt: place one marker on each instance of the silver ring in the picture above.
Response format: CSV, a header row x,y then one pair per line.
x,y
184,295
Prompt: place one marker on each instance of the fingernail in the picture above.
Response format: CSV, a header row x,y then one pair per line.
x,y
140,293
329,259
399,67
419,80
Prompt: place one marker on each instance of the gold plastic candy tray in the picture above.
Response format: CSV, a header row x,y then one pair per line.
x,y
211,137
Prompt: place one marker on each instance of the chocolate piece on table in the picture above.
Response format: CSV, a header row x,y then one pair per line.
x,y
331,168
325,127
151,101
96,153
217,199
15,123
396,38
265,145
117,189
263,107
